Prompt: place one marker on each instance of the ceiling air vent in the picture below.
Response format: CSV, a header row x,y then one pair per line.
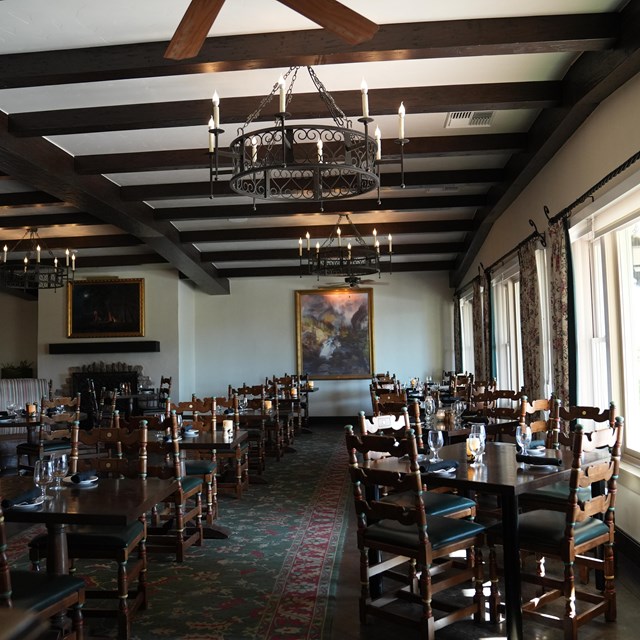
x,y
466,119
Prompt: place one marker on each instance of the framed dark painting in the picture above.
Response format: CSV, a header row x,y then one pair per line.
x,y
334,333
112,308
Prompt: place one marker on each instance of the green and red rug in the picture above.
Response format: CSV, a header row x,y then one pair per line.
x,y
275,577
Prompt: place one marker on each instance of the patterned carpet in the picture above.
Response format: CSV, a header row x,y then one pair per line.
x,y
275,577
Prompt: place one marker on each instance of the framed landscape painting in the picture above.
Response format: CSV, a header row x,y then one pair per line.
x,y
110,308
334,333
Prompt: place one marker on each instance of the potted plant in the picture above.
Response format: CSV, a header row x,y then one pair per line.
x,y
22,369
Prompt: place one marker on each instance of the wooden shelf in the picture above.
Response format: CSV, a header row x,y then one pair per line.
x,y
118,346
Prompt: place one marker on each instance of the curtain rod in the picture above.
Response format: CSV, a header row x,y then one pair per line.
x,y
567,211
531,236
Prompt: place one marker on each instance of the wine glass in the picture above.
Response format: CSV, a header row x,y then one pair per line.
x,y
429,408
60,464
477,433
458,409
11,409
43,476
436,442
523,438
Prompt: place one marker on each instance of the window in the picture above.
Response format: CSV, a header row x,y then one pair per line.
x,y
506,329
466,331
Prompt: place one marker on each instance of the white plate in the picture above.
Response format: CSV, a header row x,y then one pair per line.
x,y
25,506
84,483
536,452
191,433
448,470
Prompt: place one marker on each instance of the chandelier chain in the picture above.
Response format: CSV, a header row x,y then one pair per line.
x,y
335,111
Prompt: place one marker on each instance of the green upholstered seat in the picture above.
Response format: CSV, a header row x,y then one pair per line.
x,y
88,537
436,504
556,492
199,467
548,528
441,531
190,482
37,591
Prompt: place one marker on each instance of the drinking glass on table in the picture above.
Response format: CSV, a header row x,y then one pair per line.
x,y
436,442
11,409
60,464
429,408
477,440
523,438
43,476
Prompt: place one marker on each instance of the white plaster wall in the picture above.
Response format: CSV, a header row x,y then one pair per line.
x,y
250,334
161,323
187,342
18,330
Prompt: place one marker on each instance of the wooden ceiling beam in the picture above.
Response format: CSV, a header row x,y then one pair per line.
x,y
198,158
125,259
292,254
26,199
280,209
148,192
261,272
47,220
89,242
319,231
406,41
184,113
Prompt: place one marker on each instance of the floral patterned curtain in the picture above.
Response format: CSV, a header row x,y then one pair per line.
x,y
478,331
559,303
530,320
457,334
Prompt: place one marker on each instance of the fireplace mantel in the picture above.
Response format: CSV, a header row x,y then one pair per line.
x,y
116,346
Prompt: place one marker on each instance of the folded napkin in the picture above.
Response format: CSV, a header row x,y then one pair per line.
x,y
81,476
471,418
27,496
441,466
541,460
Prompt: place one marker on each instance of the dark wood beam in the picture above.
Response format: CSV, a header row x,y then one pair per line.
x,y
129,260
184,113
319,231
88,242
44,220
47,167
440,39
148,192
26,199
279,209
260,271
292,254
591,79
198,158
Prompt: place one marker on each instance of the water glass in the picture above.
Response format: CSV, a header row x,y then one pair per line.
x,y
477,438
429,407
436,442
60,464
43,476
523,438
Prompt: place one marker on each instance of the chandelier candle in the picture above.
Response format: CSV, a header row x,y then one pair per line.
x,y
365,98
401,121
378,144
216,110
283,105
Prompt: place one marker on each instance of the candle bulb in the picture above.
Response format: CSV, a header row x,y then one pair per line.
x,y
401,121
66,253
378,247
300,247
349,251
317,248
212,138
283,105
375,237
390,245
73,262
339,236
364,90
308,241
378,144
38,254
55,263
5,249
26,262
319,145
216,110
254,150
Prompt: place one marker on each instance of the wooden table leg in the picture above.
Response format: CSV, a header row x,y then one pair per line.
x,y
511,544
57,551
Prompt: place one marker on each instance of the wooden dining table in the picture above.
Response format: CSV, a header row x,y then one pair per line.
x,y
502,475
107,502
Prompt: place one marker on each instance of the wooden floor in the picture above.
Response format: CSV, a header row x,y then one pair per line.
x,y
345,624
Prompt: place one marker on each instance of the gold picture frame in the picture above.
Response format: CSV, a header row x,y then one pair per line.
x,y
109,308
334,333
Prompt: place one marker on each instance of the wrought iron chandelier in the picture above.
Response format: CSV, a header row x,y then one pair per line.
x,y
37,267
344,253
299,162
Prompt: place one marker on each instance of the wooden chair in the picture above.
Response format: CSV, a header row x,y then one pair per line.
x,y
417,563
254,398
568,531
396,431
49,597
164,390
54,432
123,545
177,524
